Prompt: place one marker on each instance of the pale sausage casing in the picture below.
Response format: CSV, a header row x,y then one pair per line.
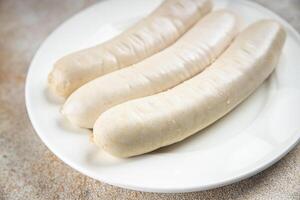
x,y
142,125
194,51
149,36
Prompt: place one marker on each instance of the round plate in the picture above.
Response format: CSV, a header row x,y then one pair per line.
x,y
249,139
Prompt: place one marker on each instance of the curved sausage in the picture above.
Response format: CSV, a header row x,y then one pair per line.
x,y
149,36
143,125
194,51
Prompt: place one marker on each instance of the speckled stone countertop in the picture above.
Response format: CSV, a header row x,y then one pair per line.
x,y
28,170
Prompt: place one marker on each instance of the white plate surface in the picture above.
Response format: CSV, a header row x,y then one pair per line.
x,y
254,136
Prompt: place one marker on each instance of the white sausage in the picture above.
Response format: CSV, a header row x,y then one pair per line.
x,y
143,125
198,48
152,34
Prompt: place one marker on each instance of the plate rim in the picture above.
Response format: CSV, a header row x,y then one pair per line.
x,y
264,165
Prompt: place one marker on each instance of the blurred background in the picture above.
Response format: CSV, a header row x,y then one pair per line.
x,y
28,170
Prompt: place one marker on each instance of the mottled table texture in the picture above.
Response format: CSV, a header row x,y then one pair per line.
x,y
28,170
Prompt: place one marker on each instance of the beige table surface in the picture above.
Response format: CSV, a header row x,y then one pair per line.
x,y
28,170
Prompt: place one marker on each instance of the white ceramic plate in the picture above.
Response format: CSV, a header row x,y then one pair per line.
x,y
251,138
